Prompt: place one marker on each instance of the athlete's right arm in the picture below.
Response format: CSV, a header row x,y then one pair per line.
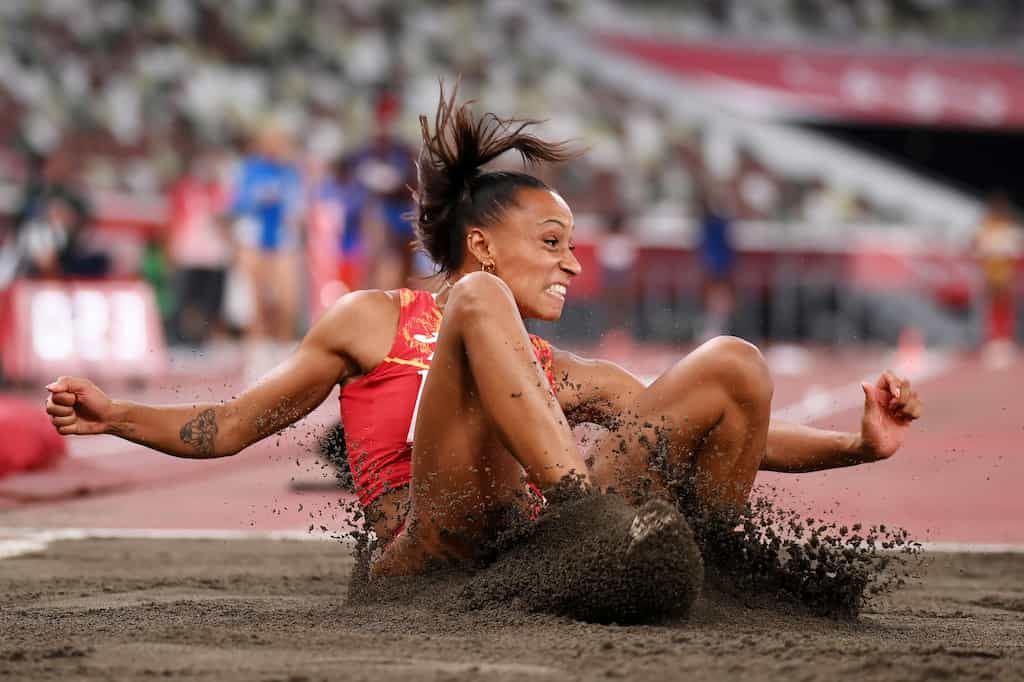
x,y
337,347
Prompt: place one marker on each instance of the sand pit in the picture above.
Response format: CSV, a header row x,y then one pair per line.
x,y
276,610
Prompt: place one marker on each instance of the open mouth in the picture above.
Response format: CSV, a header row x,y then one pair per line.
x,y
558,290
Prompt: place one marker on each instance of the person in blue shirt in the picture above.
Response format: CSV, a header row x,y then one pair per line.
x,y
267,208
383,171
717,256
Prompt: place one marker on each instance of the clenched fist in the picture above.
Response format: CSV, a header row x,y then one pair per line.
x,y
890,405
77,407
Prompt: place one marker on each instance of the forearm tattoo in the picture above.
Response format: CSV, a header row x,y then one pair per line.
x,y
200,432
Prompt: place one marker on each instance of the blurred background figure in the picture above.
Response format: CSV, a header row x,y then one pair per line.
x,y
266,208
616,254
717,261
383,172
52,223
341,200
331,222
200,247
997,246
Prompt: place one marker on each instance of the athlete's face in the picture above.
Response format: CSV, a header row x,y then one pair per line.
x,y
531,248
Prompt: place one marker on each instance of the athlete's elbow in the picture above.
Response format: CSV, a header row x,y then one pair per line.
x,y
231,437
228,450
235,442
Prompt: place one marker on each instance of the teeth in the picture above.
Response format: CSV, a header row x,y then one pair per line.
x,y
557,290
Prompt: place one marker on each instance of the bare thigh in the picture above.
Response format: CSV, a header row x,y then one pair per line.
x,y
700,430
461,471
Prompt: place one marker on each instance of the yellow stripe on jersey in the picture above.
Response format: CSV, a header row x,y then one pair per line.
x,y
412,363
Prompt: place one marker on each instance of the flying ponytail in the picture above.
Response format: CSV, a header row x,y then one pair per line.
x,y
453,192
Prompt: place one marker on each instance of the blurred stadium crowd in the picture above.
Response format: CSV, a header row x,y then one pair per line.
x,y
128,86
262,126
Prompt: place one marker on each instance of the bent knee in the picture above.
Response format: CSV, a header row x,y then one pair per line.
x,y
740,367
477,294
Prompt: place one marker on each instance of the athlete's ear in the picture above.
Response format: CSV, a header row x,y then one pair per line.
x,y
478,243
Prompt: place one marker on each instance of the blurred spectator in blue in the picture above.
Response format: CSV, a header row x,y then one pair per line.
x,y
384,170
344,199
52,223
199,246
717,256
334,260
267,206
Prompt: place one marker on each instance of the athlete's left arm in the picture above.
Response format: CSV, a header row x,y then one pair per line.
x,y
600,392
890,405
595,391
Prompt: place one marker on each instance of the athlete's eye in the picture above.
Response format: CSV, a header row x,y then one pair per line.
x,y
572,247
551,242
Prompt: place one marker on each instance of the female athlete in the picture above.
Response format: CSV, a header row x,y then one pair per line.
x,y
453,412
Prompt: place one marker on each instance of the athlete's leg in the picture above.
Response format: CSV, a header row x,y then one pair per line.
x,y
486,417
707,417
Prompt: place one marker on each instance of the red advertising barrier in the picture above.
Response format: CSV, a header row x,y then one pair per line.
x,y
108,330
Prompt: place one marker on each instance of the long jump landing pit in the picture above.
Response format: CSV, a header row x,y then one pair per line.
x,y
238,607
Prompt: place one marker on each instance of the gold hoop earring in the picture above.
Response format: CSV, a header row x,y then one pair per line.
x,y
487,267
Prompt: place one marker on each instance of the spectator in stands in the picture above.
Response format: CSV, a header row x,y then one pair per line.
x,y
717,256
199,246
997,246
53,221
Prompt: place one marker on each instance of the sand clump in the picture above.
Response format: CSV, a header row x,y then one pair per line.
x,y
597,559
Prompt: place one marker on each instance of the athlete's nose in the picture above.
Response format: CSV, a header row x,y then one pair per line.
x,y
571,265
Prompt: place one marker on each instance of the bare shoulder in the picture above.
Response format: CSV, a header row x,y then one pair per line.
x,y
367,302
359,326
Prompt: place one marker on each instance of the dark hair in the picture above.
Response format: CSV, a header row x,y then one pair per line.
x,y
452,192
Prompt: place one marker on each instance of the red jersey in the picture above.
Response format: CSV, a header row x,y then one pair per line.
x,y
379,410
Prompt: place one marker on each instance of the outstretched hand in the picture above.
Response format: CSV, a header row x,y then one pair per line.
x,y
77,407
890,405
